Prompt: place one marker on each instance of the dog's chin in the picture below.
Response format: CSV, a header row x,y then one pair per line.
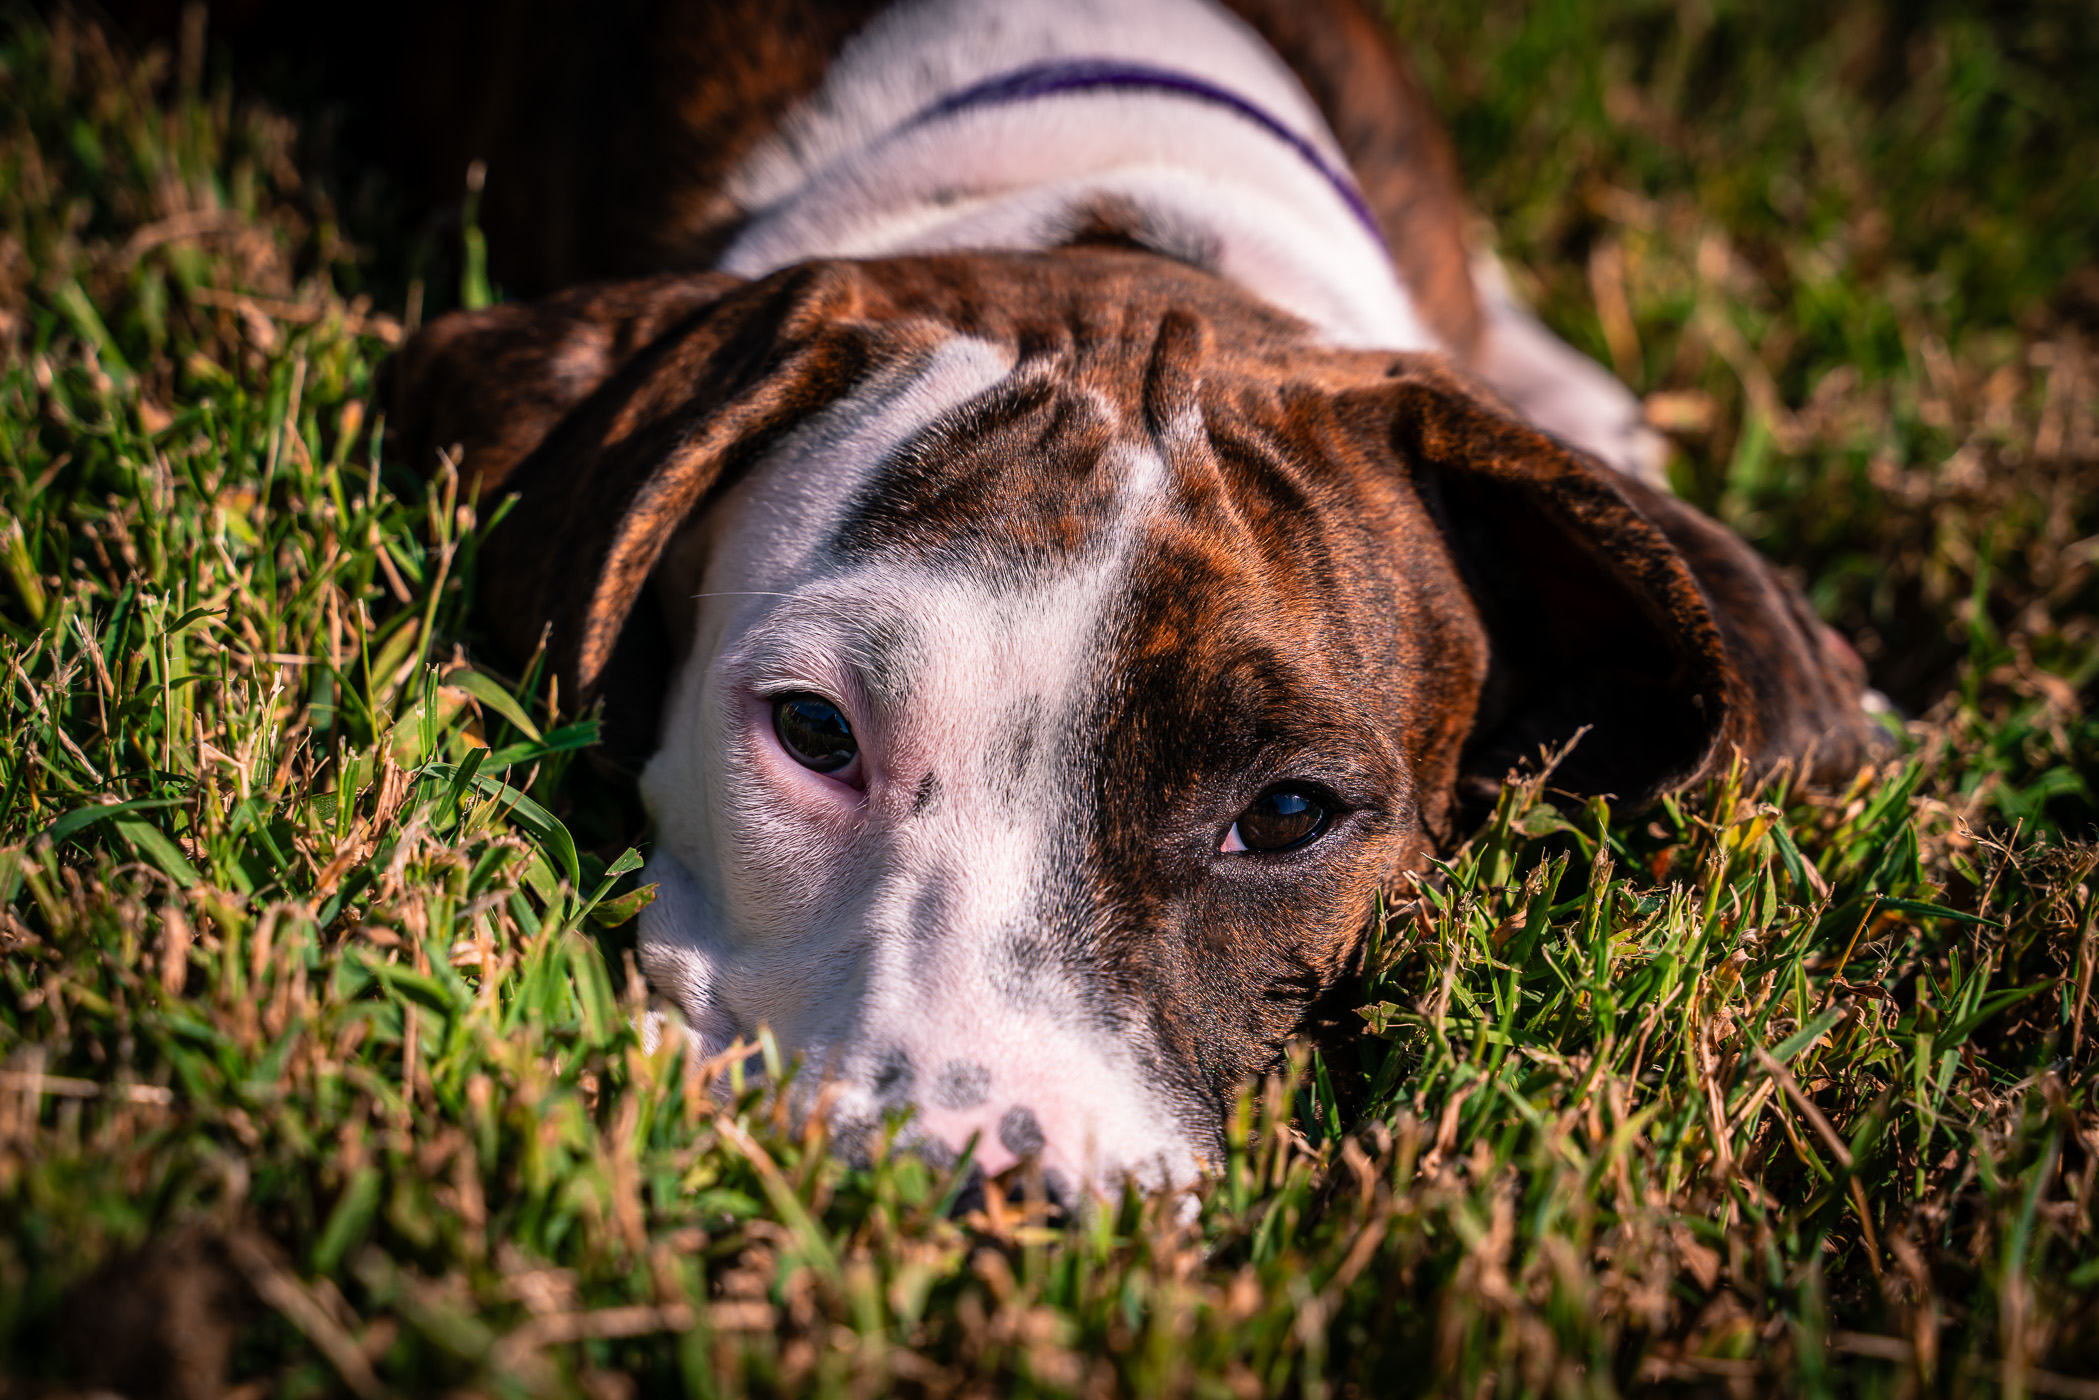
x,y
1088,1126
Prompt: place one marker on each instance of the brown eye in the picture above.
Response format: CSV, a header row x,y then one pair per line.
x,y
814,730
1278,820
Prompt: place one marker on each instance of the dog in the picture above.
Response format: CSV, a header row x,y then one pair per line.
x,y
1066,524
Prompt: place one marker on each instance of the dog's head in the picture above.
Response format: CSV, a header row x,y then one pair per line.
x,y
1047,659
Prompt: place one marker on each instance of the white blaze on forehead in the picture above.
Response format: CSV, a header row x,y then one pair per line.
x,y
797,499
928,947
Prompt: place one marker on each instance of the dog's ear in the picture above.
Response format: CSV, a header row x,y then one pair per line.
x,y
493,383
612,414
1613,607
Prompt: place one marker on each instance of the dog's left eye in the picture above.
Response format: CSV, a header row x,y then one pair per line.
x,y
1278,820
814,731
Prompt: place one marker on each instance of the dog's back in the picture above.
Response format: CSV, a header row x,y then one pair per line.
x,y
613,134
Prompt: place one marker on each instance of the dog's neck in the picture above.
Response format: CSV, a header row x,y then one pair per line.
x,y
953,124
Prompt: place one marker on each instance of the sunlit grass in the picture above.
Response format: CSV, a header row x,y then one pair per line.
x,y
318,1060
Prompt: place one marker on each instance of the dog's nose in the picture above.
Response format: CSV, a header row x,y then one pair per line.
x,y
1058,1192
955,1104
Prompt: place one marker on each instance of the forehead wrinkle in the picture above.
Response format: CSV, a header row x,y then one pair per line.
x,y
1288,522
924,386
1037,471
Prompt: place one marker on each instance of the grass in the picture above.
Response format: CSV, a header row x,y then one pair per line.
x,y
317,1068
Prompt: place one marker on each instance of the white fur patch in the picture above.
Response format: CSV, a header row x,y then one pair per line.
x,y
921,50
848,175
1558,388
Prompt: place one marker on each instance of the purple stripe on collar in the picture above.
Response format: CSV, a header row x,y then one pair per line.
x,y
1097,74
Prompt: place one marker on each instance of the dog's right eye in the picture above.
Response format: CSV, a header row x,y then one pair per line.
x,y
814,731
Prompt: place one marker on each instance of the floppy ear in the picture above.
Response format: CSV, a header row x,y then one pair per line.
x,y
1612,605
612,414
493,383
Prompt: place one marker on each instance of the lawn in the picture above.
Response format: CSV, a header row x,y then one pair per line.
x,y
318,1069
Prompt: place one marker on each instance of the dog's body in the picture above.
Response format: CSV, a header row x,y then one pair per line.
x,y
1063,410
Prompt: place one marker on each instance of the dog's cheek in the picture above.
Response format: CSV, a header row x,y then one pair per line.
x,y
788,855
1226,958
1258,956
722,810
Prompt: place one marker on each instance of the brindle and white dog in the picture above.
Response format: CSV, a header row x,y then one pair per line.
x,y
1071,526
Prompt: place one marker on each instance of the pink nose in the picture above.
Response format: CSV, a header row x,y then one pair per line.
x,y
1005,1135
